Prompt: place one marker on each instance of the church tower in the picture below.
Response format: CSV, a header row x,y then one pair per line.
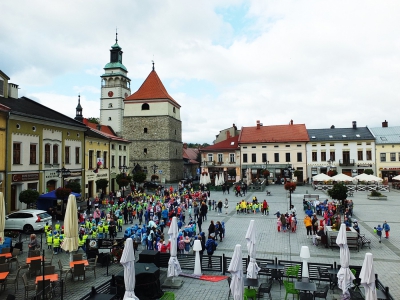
x,y
78,115
115,87
152,124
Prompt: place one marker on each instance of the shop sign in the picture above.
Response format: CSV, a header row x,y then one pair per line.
x,y
74,174
364,166
102,175
25,177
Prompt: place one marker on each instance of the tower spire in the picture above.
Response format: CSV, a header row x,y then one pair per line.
x,y
153,64
116,35
79,116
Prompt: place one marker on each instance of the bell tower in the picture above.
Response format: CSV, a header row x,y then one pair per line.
x,y
115,87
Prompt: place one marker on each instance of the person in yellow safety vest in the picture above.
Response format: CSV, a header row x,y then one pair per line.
x,y
58,227
88,224
81,243
105,229
56,242
85,237
94,232
119,223
100,230
46,228
49,240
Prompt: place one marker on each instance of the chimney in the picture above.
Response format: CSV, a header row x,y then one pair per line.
x,y
333,127
354,124
291,122
385,124
184,145
258,124
13,90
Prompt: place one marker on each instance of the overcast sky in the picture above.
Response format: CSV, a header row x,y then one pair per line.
x,y
320,63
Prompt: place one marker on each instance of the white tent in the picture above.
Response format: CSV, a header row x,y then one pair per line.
x,y
342,177
366,177
216,180
321,177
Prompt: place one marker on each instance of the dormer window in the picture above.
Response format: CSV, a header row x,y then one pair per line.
x,y
145,106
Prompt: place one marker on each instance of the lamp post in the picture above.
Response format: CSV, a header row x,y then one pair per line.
x,y
122,170
266,168
290,189
63,172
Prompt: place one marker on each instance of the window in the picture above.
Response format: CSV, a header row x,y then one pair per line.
x,y
145,130
219,157
77,155
67,155
98,155
109,118
360,155
244,147
368,143
287,157
124,148
299,157
332,144
112,161
392,156
210,157
263,147
145,106
264,157
110,105
369,154
322,145
314,156
173,110
119,160
323,156
105,159
32,156
16,153
232,157
253,157
314,145
298,145
47,154
112,147
383,157
124,160
253,147
245,157
276,146
90,159
1,87
119,147
55,154
332,155
145,151
287,146
276,157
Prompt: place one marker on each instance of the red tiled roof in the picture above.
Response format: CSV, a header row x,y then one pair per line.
x,y
190,153
275,133
151,88
228,144
4,108
104,130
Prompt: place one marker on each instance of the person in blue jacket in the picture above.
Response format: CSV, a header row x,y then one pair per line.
x,y
386,227
379,232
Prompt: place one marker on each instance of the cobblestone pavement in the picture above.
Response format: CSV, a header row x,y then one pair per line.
x,y
271,244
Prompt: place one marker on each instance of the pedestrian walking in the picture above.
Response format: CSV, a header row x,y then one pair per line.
x,y
378,231
386,227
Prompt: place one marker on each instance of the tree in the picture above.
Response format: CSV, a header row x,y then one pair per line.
x,y
139,177
123,179
102,184
63,193
74,186
369,171
338,192
94,120
28,197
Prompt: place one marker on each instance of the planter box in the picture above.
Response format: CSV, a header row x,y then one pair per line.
x,y
377,197
330,232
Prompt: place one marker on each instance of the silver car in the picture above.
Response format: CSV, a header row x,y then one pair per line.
x,y
28,220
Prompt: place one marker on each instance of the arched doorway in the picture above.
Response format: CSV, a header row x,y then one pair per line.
x,y
50,185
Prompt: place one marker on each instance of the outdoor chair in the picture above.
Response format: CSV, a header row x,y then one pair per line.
x,y
78,271
48,270
250,293
46,290
322,292
5,250
56,285
63,269
92,266
49,260
323,274
355,295
13,279
277,275
33,253
293,272
289,288
35,266
265,288
10,297
306,296
2,259
357,281
14,257
76,257
27,286
229,285
4,267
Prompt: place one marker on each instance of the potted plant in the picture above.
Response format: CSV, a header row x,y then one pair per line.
x,y
266,173
154,177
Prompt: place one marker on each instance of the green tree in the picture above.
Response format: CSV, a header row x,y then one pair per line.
x,y
369,171
74,186
139,177
102,184
338,192
28,197
123,180
94,120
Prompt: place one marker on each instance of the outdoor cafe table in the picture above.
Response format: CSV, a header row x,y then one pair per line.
x,y
278,269
77,262
29,259
3,275
305,286
6,255
250,282
51,277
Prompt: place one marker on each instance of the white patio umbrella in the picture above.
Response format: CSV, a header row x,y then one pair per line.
x,y
252,268
216,180
362,177
128,261
2,218
321,177
375,178
236,269
71,239
367,276
202,179
174,268
342,177
345,276
208,179
221,179
396,177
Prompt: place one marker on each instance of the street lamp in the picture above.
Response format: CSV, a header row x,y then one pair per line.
x,y
266,168
122,170
63,172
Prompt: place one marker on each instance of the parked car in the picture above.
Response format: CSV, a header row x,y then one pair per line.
x,y
151,185
28,220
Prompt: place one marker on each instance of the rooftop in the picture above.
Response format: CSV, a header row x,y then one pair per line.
x,y
274,134
340,134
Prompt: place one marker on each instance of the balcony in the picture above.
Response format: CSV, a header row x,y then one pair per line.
x,y
346,162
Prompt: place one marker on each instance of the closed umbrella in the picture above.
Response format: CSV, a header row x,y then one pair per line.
x,y
252,268
128,261
236,269
71,239
174,269
345,276
216,180
367,276
221,179
2,218
208,180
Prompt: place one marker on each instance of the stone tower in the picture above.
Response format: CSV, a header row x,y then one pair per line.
x,y
152,124
115,87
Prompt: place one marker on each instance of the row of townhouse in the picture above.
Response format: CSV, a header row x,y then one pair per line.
x,y
283,149
42,149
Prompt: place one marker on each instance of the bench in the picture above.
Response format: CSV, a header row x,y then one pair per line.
x,y
364,241
352,242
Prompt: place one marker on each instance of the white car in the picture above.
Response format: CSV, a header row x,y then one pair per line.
x,y
28,220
